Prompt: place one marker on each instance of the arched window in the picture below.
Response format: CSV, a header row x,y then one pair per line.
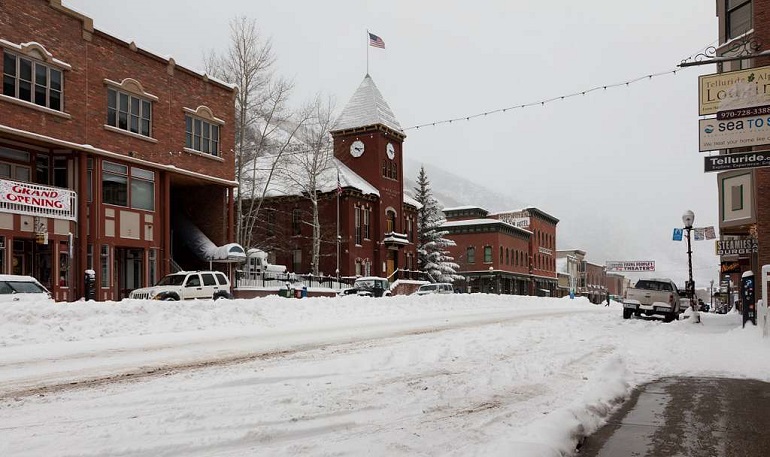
x,y
470,255
390,217
487,254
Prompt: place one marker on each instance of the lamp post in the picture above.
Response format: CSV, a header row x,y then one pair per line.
x,y
688,218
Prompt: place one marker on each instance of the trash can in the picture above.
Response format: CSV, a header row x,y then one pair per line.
x,y
285,293
297,293
304,291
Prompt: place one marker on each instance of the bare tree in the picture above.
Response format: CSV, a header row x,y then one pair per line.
x,y
307,169
261,110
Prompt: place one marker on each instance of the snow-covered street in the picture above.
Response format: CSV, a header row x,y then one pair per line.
x,y
436,375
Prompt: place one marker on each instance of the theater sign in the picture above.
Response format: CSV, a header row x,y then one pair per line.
x,y
630,265
36,200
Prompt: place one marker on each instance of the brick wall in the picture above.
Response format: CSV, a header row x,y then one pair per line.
x,y
85,92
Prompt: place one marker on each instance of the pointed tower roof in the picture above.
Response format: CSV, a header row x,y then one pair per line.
x,y
366,108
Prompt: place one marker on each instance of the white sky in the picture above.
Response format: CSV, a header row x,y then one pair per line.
x,y
618,168
442,375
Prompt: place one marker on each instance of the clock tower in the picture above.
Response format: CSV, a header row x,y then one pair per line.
x,y
369,141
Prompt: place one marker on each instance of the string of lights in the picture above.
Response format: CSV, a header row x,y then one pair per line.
x,y
543,102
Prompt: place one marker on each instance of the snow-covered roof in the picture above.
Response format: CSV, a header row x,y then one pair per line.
x,y
481,222
284,182
460,208
411,201
532,209
367,107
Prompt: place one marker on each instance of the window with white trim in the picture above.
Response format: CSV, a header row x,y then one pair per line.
x,y
201,135
129,112
32,81
131,187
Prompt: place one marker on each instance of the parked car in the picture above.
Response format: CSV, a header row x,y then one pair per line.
x,y
369,286
187,285
654,296
436,288
17,288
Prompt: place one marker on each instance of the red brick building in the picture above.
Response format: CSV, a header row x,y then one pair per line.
x,y
511,252
376,220
744,195
100,141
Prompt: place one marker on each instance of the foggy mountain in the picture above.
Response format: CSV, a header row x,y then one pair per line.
x,y
453,190
584,227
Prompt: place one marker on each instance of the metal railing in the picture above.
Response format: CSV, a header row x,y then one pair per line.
x,y
279,280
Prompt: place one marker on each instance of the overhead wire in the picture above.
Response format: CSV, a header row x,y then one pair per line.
x,y
543,102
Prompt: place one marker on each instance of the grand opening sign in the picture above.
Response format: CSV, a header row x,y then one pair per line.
x,y
33,199
630,265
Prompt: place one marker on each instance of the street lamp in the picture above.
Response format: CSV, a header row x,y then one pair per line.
x,y
688,218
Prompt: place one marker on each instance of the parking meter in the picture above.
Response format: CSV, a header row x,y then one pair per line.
x,y
89,285
748,301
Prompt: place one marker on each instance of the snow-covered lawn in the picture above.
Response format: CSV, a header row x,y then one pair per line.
x,y
444,375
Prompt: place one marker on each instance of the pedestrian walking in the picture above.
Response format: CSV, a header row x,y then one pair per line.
x,y
608,300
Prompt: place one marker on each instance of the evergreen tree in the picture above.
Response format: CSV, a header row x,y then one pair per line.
x,y
432,256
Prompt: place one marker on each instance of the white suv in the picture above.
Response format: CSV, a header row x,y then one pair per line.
x,y
187,285
437,288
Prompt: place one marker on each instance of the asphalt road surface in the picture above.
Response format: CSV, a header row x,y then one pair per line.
x,y
694,417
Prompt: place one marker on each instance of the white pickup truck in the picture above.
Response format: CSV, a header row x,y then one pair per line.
x,y
653,296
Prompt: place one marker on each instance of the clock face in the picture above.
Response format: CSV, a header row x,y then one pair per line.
x,y
391,151
357,148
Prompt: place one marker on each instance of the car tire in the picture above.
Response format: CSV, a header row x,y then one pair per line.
x,y
221,295
627,313
171,298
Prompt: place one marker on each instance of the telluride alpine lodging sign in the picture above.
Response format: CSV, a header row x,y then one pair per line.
x,y
632,265
733,90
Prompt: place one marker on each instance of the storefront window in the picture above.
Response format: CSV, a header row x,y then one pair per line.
x,y
105,266
153,264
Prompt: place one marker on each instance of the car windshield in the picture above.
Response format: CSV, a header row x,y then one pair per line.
x,y
428,287
364,284
23,287
653,285
172,280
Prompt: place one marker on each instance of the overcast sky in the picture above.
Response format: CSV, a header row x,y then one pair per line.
x,y
618,167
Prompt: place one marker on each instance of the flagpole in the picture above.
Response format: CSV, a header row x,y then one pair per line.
x,y
367,51
338,227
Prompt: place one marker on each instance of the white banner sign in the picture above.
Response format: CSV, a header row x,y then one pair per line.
x,y
633,265
521,222
34,196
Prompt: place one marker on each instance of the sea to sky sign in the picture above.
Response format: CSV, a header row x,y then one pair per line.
x,y
733,90
630,265
751,131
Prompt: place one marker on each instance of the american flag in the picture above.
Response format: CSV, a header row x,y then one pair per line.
x,y
339,186
376,41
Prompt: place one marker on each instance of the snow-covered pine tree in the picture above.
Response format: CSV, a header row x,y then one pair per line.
x,y
432,256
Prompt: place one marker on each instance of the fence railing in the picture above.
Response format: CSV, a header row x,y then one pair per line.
x,y
278,280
